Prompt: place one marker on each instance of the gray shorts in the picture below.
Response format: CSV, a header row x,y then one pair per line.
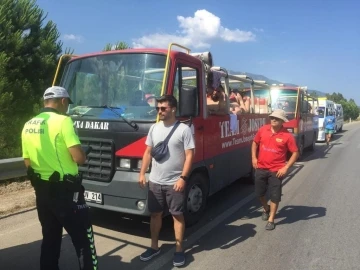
x,y
159,194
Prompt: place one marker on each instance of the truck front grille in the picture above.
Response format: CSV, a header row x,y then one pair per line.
x,y
99,165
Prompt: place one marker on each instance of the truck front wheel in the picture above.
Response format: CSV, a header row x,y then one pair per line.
x,y
195,198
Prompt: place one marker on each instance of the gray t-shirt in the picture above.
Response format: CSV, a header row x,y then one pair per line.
x,y
169,169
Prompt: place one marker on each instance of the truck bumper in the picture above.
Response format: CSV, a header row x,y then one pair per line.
x,y
321,136
122,194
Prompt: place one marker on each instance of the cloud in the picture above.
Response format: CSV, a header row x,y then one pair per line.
x,y
196,32
72,37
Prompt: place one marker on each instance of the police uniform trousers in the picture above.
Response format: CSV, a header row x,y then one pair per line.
x,y
57,210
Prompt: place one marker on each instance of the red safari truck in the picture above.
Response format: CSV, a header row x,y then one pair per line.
x,y
300,108
114,106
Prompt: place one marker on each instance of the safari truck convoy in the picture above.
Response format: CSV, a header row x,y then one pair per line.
x,y
114,96
299,106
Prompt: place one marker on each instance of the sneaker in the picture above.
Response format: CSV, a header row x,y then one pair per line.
x,y
179,259
270,226
149,254
265,215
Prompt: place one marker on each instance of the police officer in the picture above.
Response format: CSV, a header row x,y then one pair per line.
x,y
52,152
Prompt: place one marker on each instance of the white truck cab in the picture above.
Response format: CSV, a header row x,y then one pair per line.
x,y
339,115
325,107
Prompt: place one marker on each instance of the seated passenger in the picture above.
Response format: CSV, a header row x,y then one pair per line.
x,y
236,98
217,101
287,107
244,102
235,108
310,108
139,99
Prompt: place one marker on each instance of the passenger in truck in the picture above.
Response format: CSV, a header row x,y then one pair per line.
x,y
310,108
287,107
244,102
237,104
217,101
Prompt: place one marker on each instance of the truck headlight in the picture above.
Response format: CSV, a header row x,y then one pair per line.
x,y
139,164
140,205
125,163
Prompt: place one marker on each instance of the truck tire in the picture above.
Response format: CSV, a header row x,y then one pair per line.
x,y
312,146
301,148
195,198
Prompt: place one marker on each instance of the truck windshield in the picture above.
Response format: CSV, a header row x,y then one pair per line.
x,y
321,112
128,82
284,99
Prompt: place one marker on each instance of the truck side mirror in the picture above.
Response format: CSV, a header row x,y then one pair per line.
x,y
188,101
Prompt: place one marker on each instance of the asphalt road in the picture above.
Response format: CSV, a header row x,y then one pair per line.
x,y
316,225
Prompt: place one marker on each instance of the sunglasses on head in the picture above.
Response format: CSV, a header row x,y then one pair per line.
x,y
163,109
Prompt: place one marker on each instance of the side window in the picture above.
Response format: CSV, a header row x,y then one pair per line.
x,y
262,101
186,78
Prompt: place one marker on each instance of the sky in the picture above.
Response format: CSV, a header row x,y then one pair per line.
x,y
314,43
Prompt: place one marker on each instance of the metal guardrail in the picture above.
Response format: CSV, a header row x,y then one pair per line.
x,y
12,168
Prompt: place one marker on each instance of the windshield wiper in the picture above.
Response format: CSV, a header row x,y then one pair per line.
x,y
113,109
75,113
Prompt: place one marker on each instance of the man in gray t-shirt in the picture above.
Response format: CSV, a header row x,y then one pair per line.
x,y
169,170
168,176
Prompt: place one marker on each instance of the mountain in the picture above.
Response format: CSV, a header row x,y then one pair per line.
x,y
271,81
318,93
255,76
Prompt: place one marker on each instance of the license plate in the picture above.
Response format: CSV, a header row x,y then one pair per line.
x,y
93,197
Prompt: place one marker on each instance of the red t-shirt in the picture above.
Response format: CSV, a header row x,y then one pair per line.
x,y
273,147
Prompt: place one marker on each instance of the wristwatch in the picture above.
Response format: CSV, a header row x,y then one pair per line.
x,y
183,177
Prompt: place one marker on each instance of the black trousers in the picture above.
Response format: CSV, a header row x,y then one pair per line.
x,y
57,210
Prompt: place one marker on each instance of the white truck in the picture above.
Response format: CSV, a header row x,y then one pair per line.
x,y
339,117
325,107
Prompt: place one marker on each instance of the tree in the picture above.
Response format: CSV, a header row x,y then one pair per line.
x,y
28,55
120,45
314,94
336,97
351,110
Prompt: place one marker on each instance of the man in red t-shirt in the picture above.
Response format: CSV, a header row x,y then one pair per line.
x,y
272,142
